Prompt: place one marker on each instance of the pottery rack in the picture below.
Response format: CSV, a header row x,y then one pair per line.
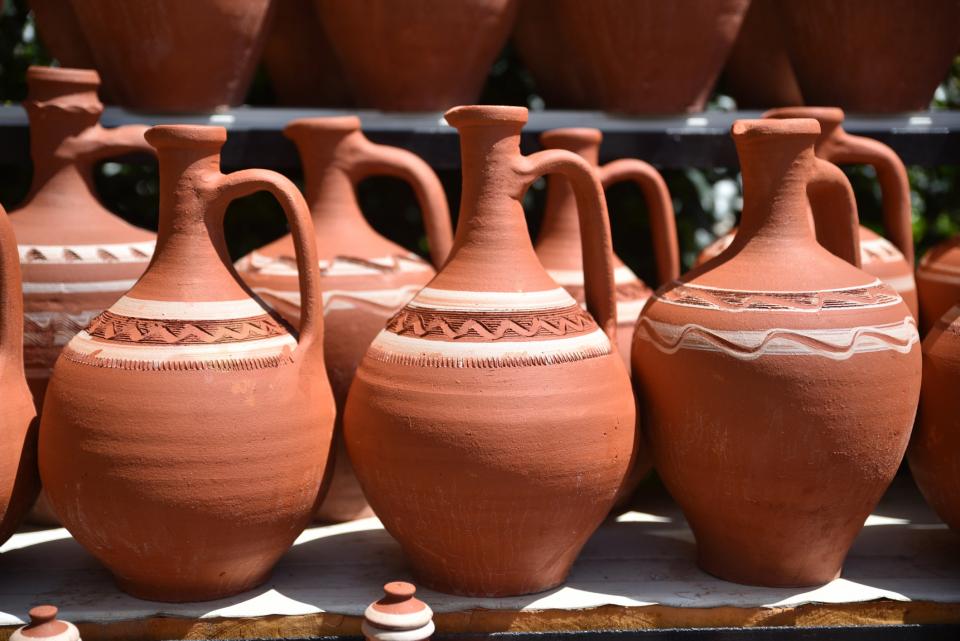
x,y
637,574
691,140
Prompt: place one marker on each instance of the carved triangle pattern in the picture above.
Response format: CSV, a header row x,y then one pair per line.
x,y
124,329
491,326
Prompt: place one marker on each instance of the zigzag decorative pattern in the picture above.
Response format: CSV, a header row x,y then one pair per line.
x,y
477,326
338,266
879,250
125,252
48,329
124,329
876,295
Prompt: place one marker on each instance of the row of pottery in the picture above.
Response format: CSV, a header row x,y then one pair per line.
x,y
428,55
492,324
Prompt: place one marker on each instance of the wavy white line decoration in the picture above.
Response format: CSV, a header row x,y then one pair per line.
x,y
87,254
339,266
407,350
836,344
46,329
340,299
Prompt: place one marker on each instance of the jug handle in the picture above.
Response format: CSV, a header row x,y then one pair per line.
x,y
829,191
596,243
11,300
392,161
99,143
894,184
247,181
663,224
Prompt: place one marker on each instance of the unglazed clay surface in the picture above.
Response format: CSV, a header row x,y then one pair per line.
x,y
419,55
491,422
19,483
209,464
804,381
652,57
365,278
889,260
175,56
938,281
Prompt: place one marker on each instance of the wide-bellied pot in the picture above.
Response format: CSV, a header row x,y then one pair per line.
x,y
302,66
188,416
938,281
632,56
492,403
60,33
779,382
365,278
19,482
889,260
420,55
77,258
936,437
558,246
175,55
758,73
871,57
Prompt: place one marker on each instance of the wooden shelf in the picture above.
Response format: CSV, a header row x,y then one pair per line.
x,y
636,574
678,141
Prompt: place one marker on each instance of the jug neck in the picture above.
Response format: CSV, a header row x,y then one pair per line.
x,y
191,261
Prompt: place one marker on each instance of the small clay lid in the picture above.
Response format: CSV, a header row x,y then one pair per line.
x,y
45,626
398,616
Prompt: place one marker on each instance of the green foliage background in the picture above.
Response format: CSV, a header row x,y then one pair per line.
x,y
706,201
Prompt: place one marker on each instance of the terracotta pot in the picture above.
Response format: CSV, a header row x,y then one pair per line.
x,y
176,55
653,57
800,374
758,73
45,626
492,396
559,246
936,439
889,260
938,282
186,416
365,278
77,258
60,33
300,62
871,57
421,55
18,429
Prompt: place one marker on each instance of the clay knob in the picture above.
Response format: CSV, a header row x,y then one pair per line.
x,y
398,616
44,626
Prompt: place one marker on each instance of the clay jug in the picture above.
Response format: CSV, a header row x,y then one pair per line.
x,y
936,438
871,57
365,278
45,626
175,55
420,55
492,397
19,483
758,73
632,56
938,281
558,244
889,260
299,60
800,376
77,257
187,416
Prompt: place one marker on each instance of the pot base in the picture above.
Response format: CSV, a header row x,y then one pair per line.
x,y
463,588
177,592
730,567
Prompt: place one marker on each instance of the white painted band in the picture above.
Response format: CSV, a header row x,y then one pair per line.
x,y
270,266
902,283
879,250
469,301
414,346
395,620
112,253
118,286
836,344
873,283
339,299
630,310
83,343
621,276
373,633
187,310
